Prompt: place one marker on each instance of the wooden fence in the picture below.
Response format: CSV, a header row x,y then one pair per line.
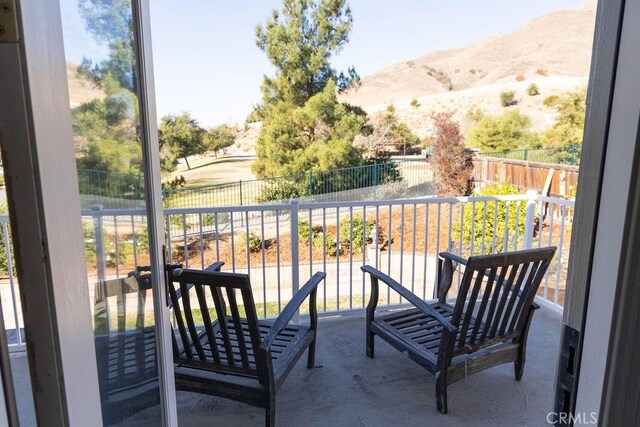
x,y
548,179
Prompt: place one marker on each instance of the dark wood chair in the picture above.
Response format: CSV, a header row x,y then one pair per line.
x,y
486,326
225,350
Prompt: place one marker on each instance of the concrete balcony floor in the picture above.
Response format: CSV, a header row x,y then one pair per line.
x,y
350,389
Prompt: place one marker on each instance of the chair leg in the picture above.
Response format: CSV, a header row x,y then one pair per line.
x,y
518,365
370,345
311,355
441,392
270,412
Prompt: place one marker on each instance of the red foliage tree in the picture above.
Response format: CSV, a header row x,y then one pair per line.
x,y
451,163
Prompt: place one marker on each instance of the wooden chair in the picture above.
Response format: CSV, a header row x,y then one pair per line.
x,y
486,326
225,350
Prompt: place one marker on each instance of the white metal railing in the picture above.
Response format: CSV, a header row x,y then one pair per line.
x,y
281,245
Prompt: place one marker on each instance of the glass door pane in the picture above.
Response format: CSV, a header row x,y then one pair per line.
x,y
105,100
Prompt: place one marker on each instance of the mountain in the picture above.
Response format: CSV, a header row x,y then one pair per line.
x,y
553,51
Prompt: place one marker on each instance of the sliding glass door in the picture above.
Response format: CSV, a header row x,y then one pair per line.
x,y
109,74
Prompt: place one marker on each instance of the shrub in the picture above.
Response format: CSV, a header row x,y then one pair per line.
x,y
550,101
252,240
515,215
520,77
359,230
508,98
283,189
533,90
415,103
304,231
115,257
542,72
475,113
209,219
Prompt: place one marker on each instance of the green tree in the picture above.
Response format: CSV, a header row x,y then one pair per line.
x,y
299,41
569,124
506,132
183,135
316,136
304,126
219,137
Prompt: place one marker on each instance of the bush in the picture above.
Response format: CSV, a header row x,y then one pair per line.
x,y
415,103
533,90
359,228
550,101
520,77
254,242
304,231
283,189
115,257
542,72
501,189
508,98
506,132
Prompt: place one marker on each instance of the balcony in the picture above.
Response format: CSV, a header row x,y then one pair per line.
x,y
280,246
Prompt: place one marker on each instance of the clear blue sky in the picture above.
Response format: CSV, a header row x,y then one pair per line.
x,y
206,61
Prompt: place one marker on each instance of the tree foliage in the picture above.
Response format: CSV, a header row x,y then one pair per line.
x,y
569,124
299,41
219,138
316,136
451,163
506,132
386,131
304,126
183,135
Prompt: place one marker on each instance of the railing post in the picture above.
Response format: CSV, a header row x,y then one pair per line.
x,y
97,226
295,267
529,224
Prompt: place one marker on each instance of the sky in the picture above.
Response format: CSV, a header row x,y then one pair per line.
x,y
206,61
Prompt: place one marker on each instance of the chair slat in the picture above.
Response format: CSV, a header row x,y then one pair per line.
x,y
468,307
221,311
188,315
531,277
507,289
208,327
483,304
177,312
498,290
515,291
235,315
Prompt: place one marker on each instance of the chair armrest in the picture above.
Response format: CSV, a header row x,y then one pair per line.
x,y
453,257
290,309
409,296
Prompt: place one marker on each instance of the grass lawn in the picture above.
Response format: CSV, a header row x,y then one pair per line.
x,y
209,170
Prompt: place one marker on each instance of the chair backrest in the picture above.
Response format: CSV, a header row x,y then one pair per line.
x,y
495,296
218,330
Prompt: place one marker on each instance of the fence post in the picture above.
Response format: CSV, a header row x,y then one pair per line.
x,y
240,192
526,152
100,255
375,173
310,183
529,222
295,267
